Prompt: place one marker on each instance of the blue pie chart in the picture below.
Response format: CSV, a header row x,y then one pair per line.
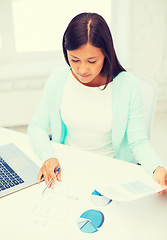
x,y
98,199
90,221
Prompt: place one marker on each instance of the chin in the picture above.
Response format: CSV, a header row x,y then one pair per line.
x,y
85,79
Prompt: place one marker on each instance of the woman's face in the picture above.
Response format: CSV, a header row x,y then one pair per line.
x,y
86,63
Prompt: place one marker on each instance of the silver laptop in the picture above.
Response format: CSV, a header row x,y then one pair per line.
x,y
17,170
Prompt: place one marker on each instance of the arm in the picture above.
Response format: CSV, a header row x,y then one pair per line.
x,y
38,135
136,132
39,126
138,141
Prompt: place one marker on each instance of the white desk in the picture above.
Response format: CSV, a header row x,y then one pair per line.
x,y
139,219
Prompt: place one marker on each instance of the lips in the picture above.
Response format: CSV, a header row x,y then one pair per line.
x,y
84,76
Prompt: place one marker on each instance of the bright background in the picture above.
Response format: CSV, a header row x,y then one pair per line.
x,y
30,47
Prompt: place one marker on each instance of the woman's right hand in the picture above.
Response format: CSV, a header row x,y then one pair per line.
x,y
48,170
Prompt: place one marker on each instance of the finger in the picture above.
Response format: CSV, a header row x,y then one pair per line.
x,y
52,184
59,179
40,174
46,177
156,179
165,187
163,181
166,180
52,175
163,191
58,176
48,174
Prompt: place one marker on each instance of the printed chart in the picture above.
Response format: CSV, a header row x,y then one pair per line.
x,y
90,221
98,199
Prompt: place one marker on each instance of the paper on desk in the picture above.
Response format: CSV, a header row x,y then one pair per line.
x,y
128,191
59,212
57,202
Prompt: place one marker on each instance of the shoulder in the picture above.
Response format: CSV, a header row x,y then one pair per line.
x,y
126,85
58,74
125,78
57,78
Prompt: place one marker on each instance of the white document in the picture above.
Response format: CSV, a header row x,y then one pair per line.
x,y
58,202
59,212
128,191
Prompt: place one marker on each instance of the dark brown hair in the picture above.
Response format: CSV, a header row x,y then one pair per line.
x,y
92,28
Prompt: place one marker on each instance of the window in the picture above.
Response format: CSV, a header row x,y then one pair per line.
x,y
31,32
39,24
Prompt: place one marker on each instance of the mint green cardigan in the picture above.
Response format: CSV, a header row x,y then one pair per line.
x,y
130,142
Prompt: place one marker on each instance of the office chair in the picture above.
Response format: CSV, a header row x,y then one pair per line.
x,y
149,94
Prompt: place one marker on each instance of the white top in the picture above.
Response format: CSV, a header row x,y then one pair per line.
x,y
87,114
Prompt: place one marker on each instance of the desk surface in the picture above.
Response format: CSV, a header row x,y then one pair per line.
x,y
139,219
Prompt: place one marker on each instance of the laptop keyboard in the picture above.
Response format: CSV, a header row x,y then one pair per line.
x,y
8,177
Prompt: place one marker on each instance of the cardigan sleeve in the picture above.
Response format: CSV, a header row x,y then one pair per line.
x,y
137,138
39,125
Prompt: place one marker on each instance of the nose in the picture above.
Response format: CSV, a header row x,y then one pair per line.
x,y
82,68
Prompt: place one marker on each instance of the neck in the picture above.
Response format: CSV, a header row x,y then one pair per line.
x,y
96,82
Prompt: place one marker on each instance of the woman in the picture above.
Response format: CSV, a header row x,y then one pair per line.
x,y
93,104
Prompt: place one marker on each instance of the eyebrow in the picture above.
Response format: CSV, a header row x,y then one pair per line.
x,y
78,58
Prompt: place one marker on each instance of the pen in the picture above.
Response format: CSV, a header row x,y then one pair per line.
x,y
48,184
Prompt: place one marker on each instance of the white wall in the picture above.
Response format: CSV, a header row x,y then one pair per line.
x,y
149,44
21,84
140,35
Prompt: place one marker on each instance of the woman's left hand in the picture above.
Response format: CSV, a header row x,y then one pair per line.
x,y
160,176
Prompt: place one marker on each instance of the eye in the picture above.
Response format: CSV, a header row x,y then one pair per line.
x,y
91,62
74,60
